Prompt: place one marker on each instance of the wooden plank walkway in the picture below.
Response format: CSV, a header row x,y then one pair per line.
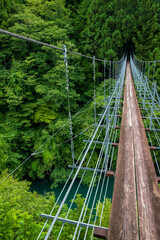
x,y
135,210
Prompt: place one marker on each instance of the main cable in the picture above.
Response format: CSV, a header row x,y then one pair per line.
x,y
44,44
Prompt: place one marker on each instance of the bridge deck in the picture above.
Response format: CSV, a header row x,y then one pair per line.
x,y
135,179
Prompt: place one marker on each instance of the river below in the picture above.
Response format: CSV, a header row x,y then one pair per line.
x,y
44,186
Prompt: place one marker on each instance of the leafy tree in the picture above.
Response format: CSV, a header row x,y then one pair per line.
x,y
108,27
20,209
147,32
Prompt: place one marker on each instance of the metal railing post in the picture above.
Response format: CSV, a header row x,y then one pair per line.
x,y
107,134
153,103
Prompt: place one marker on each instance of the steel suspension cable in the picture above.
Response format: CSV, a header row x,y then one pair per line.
x,y
89,193
64,187
94,86
61,205
45,44
69,104
79,185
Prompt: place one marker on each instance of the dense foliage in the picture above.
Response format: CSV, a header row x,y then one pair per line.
x,y
107,28
20,209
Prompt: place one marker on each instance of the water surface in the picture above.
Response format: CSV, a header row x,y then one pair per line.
x,y
44,186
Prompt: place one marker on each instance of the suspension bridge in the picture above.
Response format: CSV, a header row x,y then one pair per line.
x,y
128,122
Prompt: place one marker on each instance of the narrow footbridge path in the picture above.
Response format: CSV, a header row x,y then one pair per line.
x,y
136,199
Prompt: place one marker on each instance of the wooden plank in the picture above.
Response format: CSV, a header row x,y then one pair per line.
x,y
115,144
110,174
148,192
123,221
100,233
153,148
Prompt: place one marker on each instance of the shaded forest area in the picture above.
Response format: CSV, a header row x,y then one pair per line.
x,y
33,96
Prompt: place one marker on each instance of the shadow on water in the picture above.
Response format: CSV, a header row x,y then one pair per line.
x,y
42,187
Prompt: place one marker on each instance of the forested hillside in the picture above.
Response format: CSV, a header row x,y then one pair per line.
x,y
33,95
107,28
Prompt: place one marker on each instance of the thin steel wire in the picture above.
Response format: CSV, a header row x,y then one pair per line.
x,y
69,104
44,44
61,205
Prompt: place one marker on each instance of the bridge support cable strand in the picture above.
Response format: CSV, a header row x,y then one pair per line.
x,y
113,76
147,63
147,105
105,194
148,68
147,89
89,194
114,116
150,140
104,79
69,104
116,70
145,69
154,69
107,136
93,202
150,96
154,130
16,168
153,103
110,72
97,188
109,169
112,140
94,86
144,78
83,158
142,67
68,140
110,148
79,185
62,191
58,199
155,157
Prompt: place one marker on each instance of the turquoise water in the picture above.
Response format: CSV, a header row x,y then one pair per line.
x,y
44,186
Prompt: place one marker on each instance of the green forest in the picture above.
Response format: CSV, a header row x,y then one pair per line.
x,y
33,95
